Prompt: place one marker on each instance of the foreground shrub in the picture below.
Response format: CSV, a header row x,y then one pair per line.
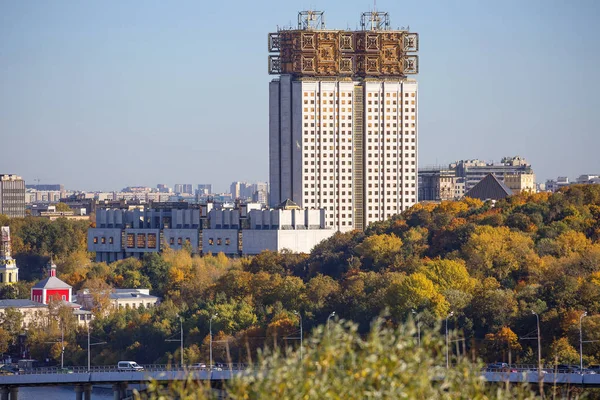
x,y
340,364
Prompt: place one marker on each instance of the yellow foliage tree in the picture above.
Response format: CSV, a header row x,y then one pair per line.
x,y
415,291
379,250
449,274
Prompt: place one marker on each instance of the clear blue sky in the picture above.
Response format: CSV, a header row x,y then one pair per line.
x,y
106,94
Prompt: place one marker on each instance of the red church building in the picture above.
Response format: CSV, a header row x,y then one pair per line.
x,y
51,288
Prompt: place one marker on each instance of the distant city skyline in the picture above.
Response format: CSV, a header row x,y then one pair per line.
x,y
100,96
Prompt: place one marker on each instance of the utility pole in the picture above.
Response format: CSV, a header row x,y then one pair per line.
x,y
418,318
300,316
181,326
211,341
539,340
447,349
581,343
180,339
90,347
62,345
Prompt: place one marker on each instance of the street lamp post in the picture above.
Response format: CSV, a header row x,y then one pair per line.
x,y
211,341
62,345
539,340
418,327
181,348
447,347
301,338
581,342
90,346
328,318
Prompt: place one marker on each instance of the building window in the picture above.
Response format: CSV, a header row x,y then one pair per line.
x,y
227,242
64,297
211,241
95,239
130,240
141,241
103,240
179,241
218,241
110,240
152,240
172,241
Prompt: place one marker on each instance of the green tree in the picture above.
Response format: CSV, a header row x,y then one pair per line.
x,y
62,207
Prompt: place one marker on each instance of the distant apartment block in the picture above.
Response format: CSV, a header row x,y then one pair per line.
x,y
137,189
245,230
183,188
588,179
204,189
12,196
520,183
552,185
473,171
36,196
162,188
437,184
47,187
256,192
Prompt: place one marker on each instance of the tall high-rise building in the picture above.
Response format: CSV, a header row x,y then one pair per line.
x,y
183,188
12,195
343,119
204,188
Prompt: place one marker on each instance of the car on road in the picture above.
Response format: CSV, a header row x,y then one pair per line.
x,y
130,366
500,367
197,366
9,370
65,370
573,369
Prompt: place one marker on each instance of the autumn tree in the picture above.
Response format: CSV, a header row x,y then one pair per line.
x,y
504,342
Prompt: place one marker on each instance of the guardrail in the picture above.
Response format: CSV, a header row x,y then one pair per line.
x,y
147,368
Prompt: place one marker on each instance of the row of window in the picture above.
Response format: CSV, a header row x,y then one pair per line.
x,y
219,241
349,94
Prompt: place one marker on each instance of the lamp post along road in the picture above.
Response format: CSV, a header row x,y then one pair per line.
x,y
181,348
581,342
447,347
418,327
90,346
62,345
301,338
539,340
328,318
211,341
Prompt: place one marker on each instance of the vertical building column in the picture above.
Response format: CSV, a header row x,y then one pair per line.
x,y
3,393
78,392
14,393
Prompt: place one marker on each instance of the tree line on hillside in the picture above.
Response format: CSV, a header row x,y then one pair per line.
x,y
490,265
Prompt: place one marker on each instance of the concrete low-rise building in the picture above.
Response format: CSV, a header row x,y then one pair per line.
x,y
29,309
520,183
243,230
121,298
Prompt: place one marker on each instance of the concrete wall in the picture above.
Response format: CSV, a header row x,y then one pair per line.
x,y
106,234
181,235
220,240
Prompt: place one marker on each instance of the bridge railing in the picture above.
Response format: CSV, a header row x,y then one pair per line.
x,y
147,367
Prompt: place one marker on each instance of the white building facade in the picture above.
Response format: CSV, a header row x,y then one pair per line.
x,y
346,143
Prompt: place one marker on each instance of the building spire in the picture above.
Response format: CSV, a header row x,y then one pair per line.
x,y
51,268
